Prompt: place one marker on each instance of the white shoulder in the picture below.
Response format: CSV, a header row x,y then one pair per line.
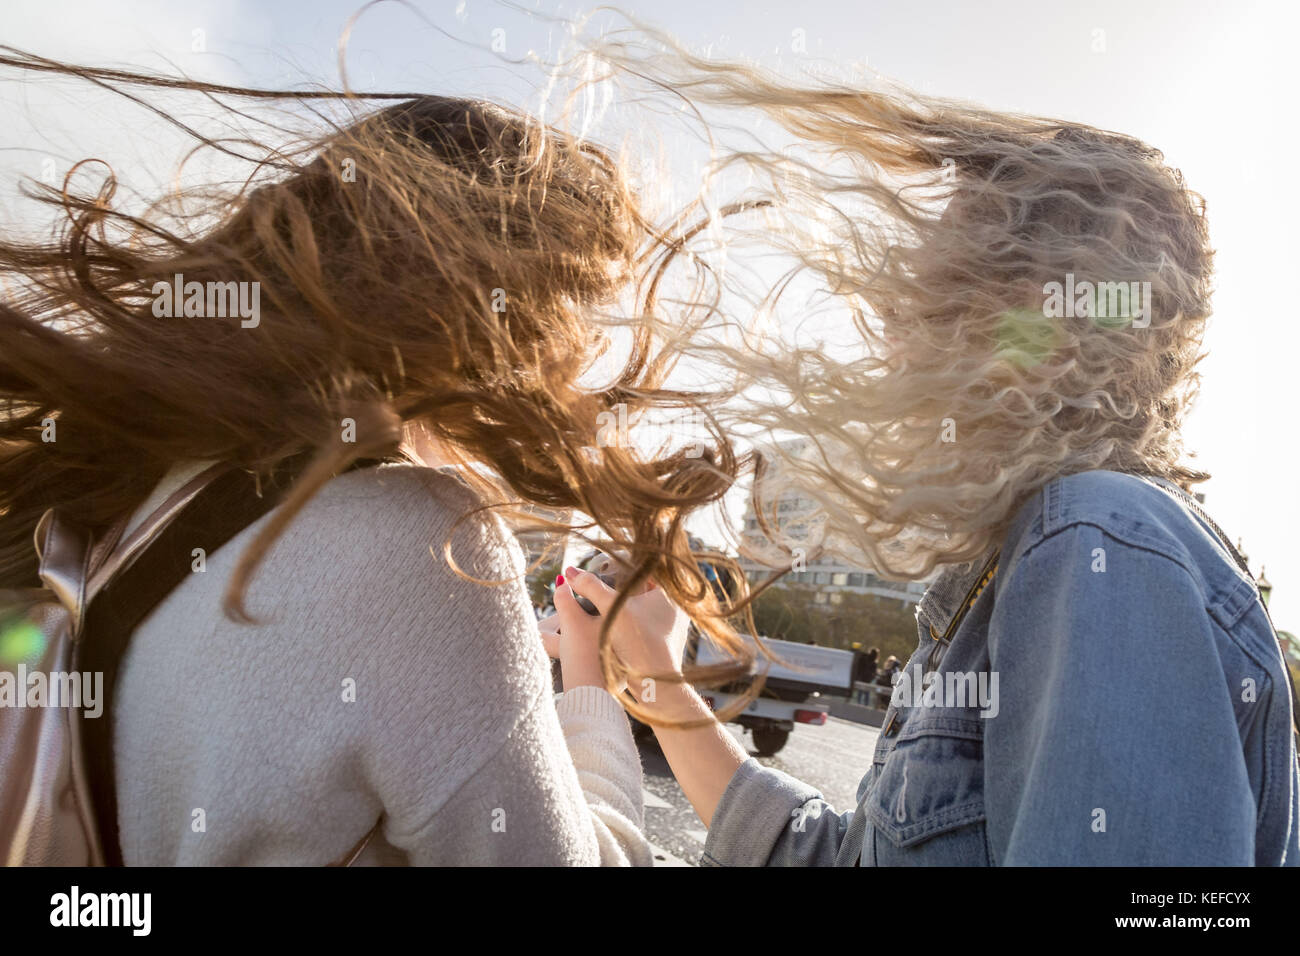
x,y
366,560
405,503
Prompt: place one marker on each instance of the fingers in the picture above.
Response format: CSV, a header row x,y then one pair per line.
x,y
572,618
591,587
551,643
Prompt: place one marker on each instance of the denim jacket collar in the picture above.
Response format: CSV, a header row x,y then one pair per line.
x,y
942,598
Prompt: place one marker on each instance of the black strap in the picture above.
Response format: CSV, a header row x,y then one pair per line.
x,y
232,502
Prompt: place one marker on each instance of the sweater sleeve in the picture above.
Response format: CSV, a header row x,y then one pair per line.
x,y
530,805
609,771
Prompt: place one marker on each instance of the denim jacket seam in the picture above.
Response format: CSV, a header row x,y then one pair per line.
x,y
1052,504
1272,781
1116,534
1271,787
1269,779
1233,600
988,843
918,730
1227,628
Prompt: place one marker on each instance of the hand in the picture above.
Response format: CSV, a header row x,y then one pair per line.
x,y
649,634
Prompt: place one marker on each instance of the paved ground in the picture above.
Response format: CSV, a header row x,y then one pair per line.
x,y
832,758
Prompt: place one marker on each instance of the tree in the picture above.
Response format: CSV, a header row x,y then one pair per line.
x,y
793,614
539,584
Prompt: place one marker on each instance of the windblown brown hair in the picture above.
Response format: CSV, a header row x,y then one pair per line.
x,y
385,250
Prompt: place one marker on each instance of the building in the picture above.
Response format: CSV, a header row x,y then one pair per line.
x,y
798,519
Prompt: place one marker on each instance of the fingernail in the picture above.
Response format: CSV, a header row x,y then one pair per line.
x,y
559,579
571,572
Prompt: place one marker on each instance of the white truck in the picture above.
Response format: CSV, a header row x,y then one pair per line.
x,y
793,692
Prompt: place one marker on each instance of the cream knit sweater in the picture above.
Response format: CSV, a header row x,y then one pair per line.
x,y
375,682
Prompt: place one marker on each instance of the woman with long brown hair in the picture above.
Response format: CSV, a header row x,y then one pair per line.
x,y
432,272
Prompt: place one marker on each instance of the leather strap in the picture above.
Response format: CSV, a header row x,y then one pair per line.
x,y
109,559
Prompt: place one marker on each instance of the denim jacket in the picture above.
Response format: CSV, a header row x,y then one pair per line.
x,y
1116,696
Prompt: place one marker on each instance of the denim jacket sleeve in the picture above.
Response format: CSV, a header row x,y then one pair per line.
x,y
1117,742
768,818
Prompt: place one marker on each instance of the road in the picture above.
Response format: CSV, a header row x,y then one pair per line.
x,y
832,758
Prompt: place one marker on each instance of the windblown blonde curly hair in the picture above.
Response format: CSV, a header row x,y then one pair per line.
x,y
938,226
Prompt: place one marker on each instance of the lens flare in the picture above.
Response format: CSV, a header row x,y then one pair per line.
x,y
1026,337
21,641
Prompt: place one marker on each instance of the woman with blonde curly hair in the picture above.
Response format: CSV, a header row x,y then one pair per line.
x,y
1096,679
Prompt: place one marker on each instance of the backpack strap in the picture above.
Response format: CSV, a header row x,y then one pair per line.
x,y
115,549
157,562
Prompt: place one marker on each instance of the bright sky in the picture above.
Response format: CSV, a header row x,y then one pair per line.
x,y
1213,85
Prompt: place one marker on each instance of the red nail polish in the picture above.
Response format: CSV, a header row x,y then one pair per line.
x,y
559,579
